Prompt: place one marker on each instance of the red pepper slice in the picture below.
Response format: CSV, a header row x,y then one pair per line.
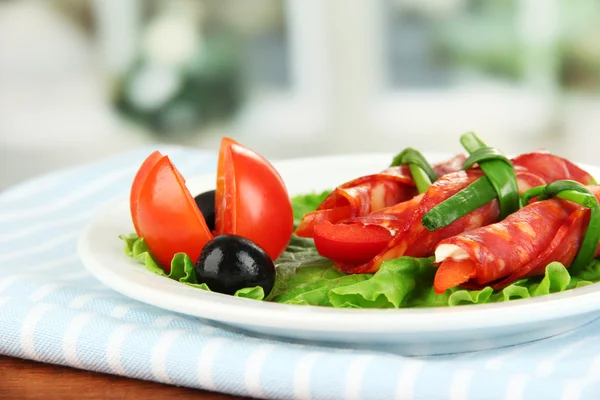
x,y
452,273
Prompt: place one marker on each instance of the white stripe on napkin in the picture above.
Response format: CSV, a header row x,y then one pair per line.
x,y
461,380
302,375
46,245
73,276
62,261
3,301
100,287
54,224
516,387
254,367
59,222
495,363
113,348
28,330
165,320
573,389
594,370
7,282
72,333
45,290
90,189
354,378
32,188
406,382
206,360
546,365
83,193
159,355
82,300
122,309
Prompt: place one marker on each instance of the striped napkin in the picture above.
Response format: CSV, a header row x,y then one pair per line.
x,y
53,310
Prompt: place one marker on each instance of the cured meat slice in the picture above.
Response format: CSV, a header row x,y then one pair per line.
x,y
367,194
520,246
416,241
357,240
393,218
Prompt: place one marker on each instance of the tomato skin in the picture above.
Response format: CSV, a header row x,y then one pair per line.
x,y
350,243
251,199
167,216
138,183
226,190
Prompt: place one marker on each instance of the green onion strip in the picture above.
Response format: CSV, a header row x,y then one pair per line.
x,y
577,193
422,173
499,182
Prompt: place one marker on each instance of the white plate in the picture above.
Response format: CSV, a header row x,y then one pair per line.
x,y
407,331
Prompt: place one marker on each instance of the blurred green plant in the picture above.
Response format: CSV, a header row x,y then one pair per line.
x,y
171,100
482,39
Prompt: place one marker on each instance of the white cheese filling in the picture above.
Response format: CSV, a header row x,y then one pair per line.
x,y
445,251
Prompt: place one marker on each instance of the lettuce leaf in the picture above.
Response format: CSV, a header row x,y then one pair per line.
x,y
303,204
299,263
390,287
556,279
408,282
316,288
301,252
306,278
182,267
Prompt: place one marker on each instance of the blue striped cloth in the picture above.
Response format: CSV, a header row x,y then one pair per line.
x,y
53,310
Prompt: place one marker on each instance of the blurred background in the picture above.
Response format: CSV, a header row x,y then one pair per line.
x,y
85,79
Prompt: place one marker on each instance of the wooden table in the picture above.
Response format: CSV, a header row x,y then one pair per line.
x,y
24,379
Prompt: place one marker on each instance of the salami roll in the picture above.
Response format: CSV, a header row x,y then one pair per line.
x,y
357,240
532,169
520,246
367,194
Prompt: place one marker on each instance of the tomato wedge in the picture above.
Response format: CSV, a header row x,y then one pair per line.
x,y
452,273
166,214
350,243
138,183
251,199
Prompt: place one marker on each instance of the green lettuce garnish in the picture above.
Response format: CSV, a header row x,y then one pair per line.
x,y
182,267
300,252
312,285
408,282
303,204
390,287
556,279
303,277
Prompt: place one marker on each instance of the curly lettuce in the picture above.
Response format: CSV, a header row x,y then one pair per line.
x,y
182,267
408,282
303,204
303,277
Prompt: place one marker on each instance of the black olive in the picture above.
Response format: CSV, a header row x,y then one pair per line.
x,y
231,262
206,203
